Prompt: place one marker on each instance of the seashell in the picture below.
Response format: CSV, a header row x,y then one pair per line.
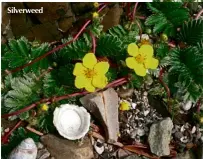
x,y
71,121
25,150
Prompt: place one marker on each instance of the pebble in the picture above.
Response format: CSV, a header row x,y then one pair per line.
x,y
134,105
140,132
187,106
99,146
193,129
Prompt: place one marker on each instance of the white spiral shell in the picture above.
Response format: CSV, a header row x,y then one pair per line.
x,y
71,121
25,150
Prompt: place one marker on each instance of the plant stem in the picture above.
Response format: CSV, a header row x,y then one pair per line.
x,y
164,84
199,14
140,17
128,5
34,131
55,99
134,11
140,28
4,139
93,42
55,49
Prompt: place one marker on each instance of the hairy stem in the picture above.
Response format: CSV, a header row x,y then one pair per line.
x,y
93,42
199,14
164,84
134,11
4,139
56,99
55,49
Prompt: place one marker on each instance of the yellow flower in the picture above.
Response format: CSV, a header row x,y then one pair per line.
x,y
142,58
124,106
44,107
96,4
90,74
95,15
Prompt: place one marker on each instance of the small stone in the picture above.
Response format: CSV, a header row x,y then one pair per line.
x,y
187,106
184,139
193,129
43,154
134,105
140,132
61,148
133,134
146,112
159,137
40,145
99,147
104,106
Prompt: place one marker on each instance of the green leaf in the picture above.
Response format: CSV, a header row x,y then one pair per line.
x,y
186,68
167,17
24,116
74,51
109,46
192,32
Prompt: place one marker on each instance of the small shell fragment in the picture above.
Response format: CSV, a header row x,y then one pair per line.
x,y
25,150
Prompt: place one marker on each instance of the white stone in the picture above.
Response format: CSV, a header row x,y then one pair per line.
x,y
25,150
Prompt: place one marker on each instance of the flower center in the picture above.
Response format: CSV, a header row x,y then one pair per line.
x,y
140,58
89,73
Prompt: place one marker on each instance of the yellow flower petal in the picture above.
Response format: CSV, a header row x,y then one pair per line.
x,y
80,82
131,62
79,69
99,81
151,63
133,49
101,67
89,87
140,70
89,60
147,50
124,106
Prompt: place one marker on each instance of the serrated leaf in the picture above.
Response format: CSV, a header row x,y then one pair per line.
x,y
167,17
24,116
192,32
109,46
